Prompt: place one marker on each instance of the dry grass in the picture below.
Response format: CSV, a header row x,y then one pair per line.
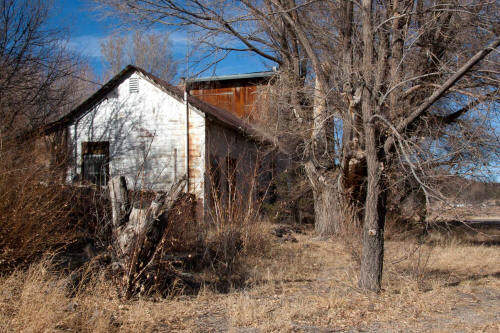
x,y
296,287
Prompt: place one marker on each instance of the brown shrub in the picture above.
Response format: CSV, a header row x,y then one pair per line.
x,y
38,212
201,253
236,229
33,213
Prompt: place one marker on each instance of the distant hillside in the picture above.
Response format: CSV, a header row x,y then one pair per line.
x,y
471,191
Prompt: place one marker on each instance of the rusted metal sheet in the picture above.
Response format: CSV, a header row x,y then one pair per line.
x,y
236,96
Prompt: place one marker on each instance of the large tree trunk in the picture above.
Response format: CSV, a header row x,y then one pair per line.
x,y
372,258
326,210
327,202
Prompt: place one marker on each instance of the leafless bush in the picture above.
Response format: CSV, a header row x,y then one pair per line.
x,y
349,234
39,81
34,214
235,228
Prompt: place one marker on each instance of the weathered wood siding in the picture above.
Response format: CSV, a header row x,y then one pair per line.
x,y
146,131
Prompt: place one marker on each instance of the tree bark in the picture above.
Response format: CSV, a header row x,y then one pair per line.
x,y
327,203
372,257
119,201
327,211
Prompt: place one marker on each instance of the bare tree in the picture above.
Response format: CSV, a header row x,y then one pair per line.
x,y
380,88
33,65
150,51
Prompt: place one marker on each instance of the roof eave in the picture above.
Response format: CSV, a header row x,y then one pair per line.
x,y
256,75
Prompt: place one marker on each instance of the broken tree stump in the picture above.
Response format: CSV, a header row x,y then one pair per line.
x,y
120,206
138,233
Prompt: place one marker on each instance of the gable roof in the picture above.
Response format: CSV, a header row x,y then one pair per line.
x,y
221,116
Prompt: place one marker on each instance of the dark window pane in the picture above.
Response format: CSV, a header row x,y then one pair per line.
x,y
94,167
95,162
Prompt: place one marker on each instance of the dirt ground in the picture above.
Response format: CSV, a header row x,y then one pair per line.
x,y
308,285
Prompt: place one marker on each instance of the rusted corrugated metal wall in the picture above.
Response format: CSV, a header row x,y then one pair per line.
x,y
236,96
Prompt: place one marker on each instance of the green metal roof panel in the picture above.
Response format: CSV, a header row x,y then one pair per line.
x,y
234,77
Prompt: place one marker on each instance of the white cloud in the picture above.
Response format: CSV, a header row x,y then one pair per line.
x,y
90,45
178,38
87,45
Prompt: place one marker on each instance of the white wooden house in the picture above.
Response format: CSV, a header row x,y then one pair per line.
x,y
153,133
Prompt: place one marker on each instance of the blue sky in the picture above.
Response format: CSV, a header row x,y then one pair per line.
x,y
87,30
